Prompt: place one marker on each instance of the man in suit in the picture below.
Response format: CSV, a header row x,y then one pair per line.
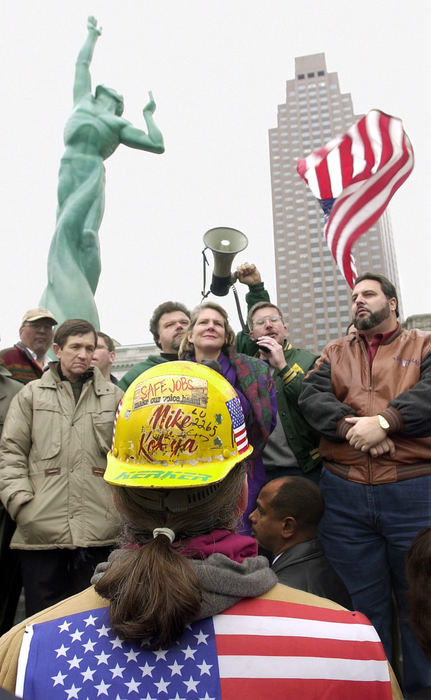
x,y
285,523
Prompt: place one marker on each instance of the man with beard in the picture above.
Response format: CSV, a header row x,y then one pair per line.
x,y
369,397
167,325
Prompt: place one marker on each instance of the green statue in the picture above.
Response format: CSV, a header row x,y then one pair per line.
x,y
92,133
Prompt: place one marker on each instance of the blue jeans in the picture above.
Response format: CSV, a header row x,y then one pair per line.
x,y
366,531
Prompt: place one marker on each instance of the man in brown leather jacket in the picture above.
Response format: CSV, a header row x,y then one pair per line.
x,y
369,397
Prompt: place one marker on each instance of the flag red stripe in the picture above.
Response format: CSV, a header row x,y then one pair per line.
x,y
295,689
238,432
324,180
281,608
387,143
244,645
346,160
368,151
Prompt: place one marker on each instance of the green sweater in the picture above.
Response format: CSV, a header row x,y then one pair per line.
x,y
302,438
136,370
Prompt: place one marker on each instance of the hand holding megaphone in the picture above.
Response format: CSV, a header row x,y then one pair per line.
x,y
248,274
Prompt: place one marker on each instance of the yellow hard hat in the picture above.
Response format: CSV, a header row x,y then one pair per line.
x,y
179,425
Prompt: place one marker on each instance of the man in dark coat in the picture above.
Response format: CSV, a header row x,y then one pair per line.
x,y
285,523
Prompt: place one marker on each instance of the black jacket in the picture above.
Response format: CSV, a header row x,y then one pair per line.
x,y
305,566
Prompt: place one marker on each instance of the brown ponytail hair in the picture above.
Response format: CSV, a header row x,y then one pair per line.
x,y
153,589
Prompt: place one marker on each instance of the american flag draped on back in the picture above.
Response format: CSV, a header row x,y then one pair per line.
x,y
354,177
255,649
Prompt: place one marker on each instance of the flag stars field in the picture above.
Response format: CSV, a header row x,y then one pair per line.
x,y
74,663
89,646
59,678
147,669
160,654
102,688
64,627
117,672
133,685
88,674
102,658
90,620
176,668
72,692
117,643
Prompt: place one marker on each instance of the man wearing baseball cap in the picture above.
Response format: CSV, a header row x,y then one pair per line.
x,y
27,358
23,362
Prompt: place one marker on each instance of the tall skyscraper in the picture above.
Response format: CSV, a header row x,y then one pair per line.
x,y
311,290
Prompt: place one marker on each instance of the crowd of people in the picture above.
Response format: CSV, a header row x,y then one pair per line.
x,y
244,496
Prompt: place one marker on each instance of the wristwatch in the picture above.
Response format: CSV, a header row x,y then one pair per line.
x,y
383,422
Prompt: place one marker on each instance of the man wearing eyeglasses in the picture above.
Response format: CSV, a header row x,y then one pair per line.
x,y
292,448
24,362
27,358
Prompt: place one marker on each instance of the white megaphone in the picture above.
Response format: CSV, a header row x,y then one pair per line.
x,y
225,243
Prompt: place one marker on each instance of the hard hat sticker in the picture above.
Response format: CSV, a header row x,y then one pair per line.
x,y
238,425
192,391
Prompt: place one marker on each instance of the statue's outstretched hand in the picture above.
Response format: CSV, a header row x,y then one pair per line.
x,y
92,26
151,105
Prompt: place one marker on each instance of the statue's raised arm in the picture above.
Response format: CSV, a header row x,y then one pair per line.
x,y
92,133
136,138
82,84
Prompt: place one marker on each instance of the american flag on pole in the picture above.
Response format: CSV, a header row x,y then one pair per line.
x,y
238,424
354,177
256,649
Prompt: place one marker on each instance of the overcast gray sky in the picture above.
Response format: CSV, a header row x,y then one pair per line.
x,y
218,70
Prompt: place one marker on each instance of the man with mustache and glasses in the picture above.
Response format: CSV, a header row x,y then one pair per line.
x,y
292,448
369,397
27,359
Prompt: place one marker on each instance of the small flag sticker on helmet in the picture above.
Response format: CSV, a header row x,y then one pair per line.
x,y
239,430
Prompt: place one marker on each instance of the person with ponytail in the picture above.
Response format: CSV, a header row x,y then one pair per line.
x,y
185,607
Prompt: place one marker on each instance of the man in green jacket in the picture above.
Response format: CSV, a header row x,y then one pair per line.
x,y
292,448
167,325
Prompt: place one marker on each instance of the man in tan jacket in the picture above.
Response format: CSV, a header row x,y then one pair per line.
x,y
52,460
